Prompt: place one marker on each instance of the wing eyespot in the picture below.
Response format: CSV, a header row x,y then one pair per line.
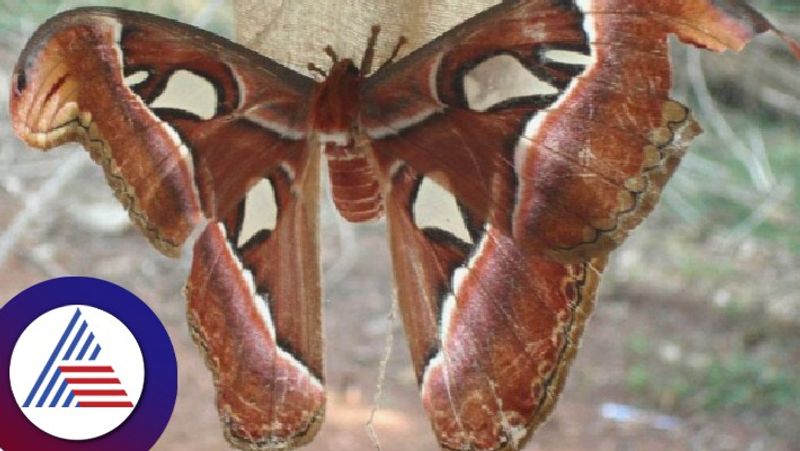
x,y
435,208
502,79
259,212
136,78
187,92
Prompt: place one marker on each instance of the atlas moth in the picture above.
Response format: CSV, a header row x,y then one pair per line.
x,y
547,174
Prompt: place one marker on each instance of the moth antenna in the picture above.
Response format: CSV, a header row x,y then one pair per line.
x,y
400,43
317,70
369,53
331,54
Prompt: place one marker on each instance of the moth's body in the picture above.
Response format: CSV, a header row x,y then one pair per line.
x,y
334,125
543,180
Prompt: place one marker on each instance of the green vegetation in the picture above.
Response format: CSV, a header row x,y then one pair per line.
x,y
737,381
734,384
723,195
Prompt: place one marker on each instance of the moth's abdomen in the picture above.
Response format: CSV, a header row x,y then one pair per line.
x,y
355,187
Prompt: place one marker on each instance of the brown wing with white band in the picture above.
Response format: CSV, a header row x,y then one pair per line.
x,y
189,126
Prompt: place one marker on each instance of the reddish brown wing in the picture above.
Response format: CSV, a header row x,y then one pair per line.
x,y
254,307
107,78
70,85
549,178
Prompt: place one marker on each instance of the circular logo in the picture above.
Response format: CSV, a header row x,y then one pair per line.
x,y
90,366
77,372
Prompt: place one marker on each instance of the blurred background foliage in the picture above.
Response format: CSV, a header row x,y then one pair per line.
x,y
708,288
726,240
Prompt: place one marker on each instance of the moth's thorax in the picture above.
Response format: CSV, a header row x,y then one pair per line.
x,y
334,104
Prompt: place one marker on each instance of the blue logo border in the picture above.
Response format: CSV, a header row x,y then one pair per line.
x,y
150,417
